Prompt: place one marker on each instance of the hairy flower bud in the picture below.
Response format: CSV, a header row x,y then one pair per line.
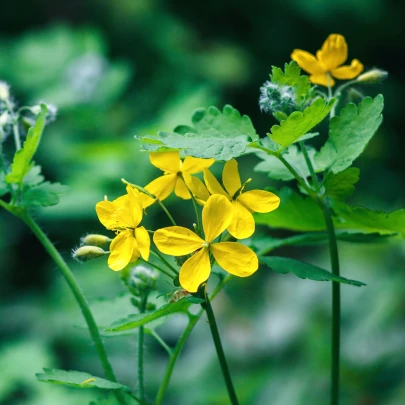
x,y
277,99
4,119
373,76
84,253
140,279
4,91
93,239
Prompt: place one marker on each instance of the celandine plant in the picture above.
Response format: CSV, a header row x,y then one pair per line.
x,y
220,239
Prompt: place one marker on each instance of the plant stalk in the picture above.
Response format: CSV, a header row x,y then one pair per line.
x,y
79,296
334,258
220,351
141,337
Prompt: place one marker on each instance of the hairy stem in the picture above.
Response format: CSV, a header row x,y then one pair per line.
x,y
311,169
79,296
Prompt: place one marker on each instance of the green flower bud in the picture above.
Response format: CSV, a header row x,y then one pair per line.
x,y
95,240
4,91
372,76
4,119
140,279
85,253
275,98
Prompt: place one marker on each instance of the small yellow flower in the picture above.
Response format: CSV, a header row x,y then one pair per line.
x,y
176,173
123,216
243,203
328,61
234,257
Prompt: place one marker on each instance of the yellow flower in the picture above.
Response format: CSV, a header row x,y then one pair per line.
x,y
243,203
234,257
123,216
176,173
328,61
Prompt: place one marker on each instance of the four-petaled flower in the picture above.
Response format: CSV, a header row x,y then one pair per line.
x,y
176,173
243,203
328,61
233,257
123,216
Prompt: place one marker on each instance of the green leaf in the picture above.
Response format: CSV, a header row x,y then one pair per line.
x,y
341,185
295,212
215,134
134,321
277,171
45,194
263,244
78,379
350,133
22,162
304,270
292,77
365,220
300,123
34,176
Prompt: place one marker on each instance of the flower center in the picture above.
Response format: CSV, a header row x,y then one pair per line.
x,y
206,244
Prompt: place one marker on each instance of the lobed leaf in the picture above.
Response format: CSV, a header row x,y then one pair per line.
x,y
22,162
220,135
341,185
78,379
134,321
350,133
304,270
45,194
300,123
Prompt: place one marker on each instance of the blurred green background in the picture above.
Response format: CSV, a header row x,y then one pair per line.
x,y
125,67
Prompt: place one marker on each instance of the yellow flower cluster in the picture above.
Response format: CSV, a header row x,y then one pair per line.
x,y
225,208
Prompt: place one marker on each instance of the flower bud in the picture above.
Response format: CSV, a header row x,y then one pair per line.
x,y
93,239
140,279
4,119
275,98
85,253
4,91
372,76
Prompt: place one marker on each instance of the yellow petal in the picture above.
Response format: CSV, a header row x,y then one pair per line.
x,y
181,189
322,80
307,62
194,165
135,203
235,258
167,161
146,200
243,224
216,216
259,200
212,184
123,212
195,270
230,177
105,212
198,188
333,52
121,249
177,241
143,241
161,187
348,72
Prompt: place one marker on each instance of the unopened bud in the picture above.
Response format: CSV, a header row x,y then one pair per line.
x,y
85,253
93,239
372,76
4,91
4,119
140,279
275,98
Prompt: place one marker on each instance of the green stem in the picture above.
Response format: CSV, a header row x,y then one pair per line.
x,y
311,169
161,342
14,118
80,298
163,260
179,346
157,268
220,351
141,337
334,258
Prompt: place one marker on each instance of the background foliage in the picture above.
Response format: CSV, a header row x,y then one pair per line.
x,y
116,69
